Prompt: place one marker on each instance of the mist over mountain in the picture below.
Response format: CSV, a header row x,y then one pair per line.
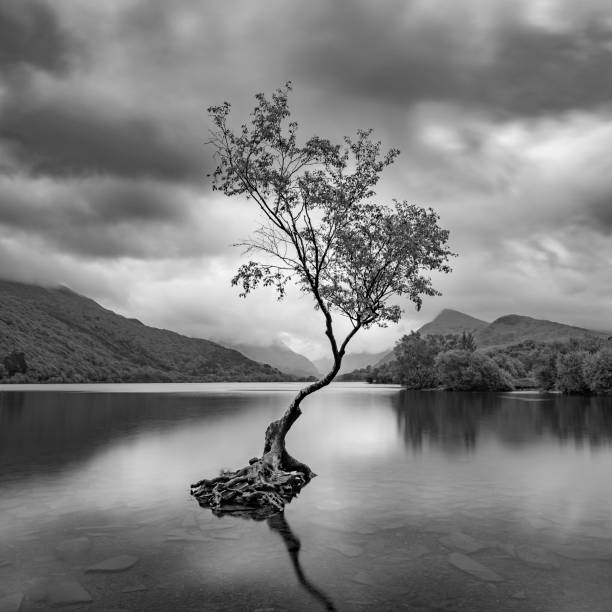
x,y
351,361
279,356
66,337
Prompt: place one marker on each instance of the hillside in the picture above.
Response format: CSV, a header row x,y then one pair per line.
x,y
452,322
281,357
447,322
67,337
512,329
351,361
505,331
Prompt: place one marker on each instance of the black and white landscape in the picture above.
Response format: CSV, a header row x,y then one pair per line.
x,y
385,369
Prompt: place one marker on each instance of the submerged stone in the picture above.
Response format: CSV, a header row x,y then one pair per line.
x,y
364,578
416,552
115,564
36,589
462,541
598,532
537,557
189,521
73,548
67,592
11,603
582,553
397,523
468,565
226,535
134,588
182,535
348,550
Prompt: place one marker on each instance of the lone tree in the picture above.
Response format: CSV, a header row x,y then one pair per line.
x,y
321,231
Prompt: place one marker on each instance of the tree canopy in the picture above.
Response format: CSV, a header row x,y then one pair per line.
x,y
320,227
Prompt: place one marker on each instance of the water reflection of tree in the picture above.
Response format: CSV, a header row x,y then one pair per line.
x,y
584,420
455,421
278,523
450,420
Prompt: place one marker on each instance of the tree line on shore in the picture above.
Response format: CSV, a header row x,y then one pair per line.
x,y
454,362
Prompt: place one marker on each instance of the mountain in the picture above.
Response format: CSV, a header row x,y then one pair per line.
x,y
281,357
67,337
507,330
512,329
447,322
452,322
351,361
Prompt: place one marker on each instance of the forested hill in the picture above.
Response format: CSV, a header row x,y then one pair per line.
x,y
66,337
513,329
506,330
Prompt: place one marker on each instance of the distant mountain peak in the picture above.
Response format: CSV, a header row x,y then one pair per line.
x,y
279,355
450,321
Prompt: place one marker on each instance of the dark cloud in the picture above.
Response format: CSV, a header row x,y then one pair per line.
x,y
397,55
498,105
103,218
72,136
597,212
30,35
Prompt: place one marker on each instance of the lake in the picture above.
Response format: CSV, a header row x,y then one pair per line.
x,y
423,500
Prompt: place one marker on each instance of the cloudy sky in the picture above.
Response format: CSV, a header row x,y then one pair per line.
x,y
502,111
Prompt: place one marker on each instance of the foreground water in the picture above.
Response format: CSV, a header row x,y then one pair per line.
x,y
424,501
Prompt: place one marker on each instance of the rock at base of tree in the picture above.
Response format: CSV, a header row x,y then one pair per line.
x,y
259,490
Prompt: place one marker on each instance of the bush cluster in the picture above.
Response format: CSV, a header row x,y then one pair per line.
x,y
453,362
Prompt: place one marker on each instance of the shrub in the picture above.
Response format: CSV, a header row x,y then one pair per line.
x,y
461,370
570,377
597,371
414,364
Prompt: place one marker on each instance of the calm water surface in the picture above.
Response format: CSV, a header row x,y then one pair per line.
x,y
424,501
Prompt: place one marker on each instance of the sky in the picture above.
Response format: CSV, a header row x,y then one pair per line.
x,y
502,111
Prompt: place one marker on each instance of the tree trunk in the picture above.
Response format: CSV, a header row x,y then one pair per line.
x,y
262,489
274,452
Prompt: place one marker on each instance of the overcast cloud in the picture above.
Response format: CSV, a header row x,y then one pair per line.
x,y
502,111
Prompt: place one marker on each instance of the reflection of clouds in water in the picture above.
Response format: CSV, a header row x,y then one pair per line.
x,y
379,453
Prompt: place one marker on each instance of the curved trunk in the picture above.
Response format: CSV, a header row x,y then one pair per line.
x,y
262,488
274,452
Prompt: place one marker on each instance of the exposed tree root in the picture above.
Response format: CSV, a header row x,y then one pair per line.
x,y
259,490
